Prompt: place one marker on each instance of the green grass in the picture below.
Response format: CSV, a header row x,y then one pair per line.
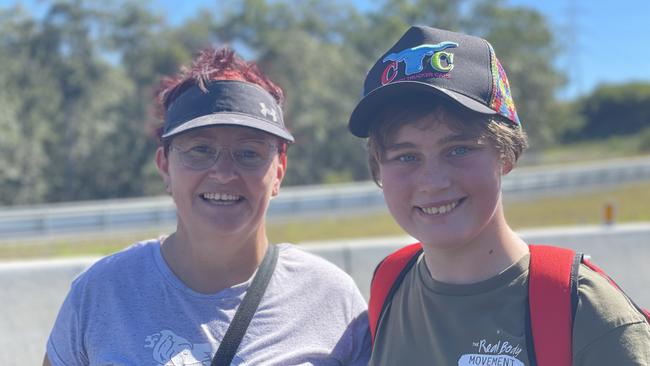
x,y
330,228
78,245
609,148
630,202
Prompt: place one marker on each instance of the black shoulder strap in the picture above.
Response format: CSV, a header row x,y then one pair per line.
x,y
575,266
246,310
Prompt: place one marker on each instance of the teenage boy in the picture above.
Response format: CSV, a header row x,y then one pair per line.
x,y
442,131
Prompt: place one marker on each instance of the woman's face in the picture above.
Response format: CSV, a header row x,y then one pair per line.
x,y
228,195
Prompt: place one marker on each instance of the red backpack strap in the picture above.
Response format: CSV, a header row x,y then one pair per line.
x,y
552,296
597,269
387,277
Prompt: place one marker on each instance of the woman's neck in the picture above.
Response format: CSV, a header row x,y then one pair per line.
x,y
210,262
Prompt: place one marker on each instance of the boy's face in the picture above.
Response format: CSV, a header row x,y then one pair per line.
x,y
443,187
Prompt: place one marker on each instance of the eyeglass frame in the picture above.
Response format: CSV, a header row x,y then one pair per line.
x,y
217,153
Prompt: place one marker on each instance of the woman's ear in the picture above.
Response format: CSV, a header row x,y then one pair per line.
x,y
162,164
281,169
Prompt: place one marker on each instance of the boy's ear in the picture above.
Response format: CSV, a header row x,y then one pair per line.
x,y
506,166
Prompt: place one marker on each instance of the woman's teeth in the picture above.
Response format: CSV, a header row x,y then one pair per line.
x,y
223,198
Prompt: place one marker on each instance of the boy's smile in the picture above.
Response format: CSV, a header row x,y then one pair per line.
x,y
439,208
441,185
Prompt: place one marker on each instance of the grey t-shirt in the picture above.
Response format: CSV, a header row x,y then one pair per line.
x,y
434,323
131,309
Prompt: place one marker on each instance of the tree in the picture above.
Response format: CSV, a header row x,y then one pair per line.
x,y
77,98
78,82
609,110
302,47
28,99
147,49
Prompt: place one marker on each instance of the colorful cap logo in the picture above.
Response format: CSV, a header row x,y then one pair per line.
x,y
413,59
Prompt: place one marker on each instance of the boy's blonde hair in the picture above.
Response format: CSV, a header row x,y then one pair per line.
x,y
508,139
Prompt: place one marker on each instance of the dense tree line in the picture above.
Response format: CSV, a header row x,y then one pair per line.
x,y
613,110
77,83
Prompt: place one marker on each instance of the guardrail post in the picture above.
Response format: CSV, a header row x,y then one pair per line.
x,y
609,213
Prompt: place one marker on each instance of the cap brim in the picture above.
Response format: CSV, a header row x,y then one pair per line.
x,y
230,118
362,116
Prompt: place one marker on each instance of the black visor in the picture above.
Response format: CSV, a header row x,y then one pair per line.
x,y
226,102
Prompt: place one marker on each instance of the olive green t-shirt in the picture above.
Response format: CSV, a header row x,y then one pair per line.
x,y
434,323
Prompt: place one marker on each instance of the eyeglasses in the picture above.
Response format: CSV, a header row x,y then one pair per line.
x,y
247,155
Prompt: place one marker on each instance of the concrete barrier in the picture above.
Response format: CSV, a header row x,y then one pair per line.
x,y
623,251
31,293
33,290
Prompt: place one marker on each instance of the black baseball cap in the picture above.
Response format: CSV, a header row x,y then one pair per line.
x,y
225,102
460,68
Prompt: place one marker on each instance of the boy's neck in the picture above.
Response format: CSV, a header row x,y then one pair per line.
x,y
494,250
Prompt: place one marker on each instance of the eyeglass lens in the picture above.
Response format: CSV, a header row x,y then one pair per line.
x,y
250,154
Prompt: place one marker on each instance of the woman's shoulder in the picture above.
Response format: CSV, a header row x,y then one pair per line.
x,y
133,257
307,281
298,255
299,261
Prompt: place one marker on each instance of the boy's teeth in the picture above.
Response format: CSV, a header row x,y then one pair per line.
x,y
440,209
220,197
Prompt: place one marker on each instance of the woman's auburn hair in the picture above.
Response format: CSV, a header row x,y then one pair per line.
x,y
211,64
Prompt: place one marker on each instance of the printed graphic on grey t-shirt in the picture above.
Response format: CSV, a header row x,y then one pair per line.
x,y
499,353
168,348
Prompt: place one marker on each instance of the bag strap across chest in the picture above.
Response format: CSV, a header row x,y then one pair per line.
x,y
387,278
246,310
552,303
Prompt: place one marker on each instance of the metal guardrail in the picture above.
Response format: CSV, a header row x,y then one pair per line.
x,y
577,176
158,212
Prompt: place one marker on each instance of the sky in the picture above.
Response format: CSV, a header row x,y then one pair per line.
x,y
601,41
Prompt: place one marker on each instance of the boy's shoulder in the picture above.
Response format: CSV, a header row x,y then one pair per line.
x,y
607,319
602,306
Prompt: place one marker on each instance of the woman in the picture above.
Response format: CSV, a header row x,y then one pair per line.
x,y
172,301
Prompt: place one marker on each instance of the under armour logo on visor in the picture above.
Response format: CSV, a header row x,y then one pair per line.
x,y
268,111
